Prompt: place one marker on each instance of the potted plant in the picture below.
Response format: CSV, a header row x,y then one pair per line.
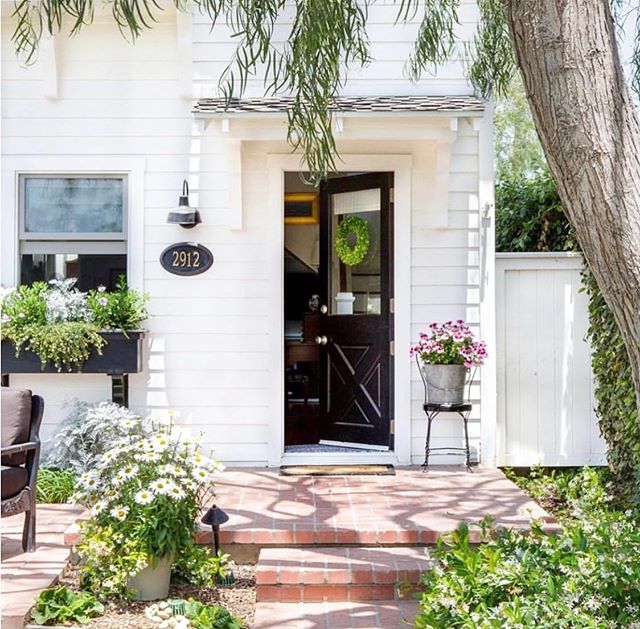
x,y
444,355
144,495
55,327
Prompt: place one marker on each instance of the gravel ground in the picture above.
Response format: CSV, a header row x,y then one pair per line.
x,y
239,599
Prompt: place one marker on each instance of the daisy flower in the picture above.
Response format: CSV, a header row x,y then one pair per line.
x,y
144,497
150,457
119,513
99,507
176,492
201,475
161,486
129,471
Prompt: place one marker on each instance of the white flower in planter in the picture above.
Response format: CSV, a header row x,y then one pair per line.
x,y
144,497
120,513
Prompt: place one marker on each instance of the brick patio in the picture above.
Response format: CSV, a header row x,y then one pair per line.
x,y
411,507
25,575
333,551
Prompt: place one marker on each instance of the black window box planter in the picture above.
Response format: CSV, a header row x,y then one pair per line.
x,y
121,355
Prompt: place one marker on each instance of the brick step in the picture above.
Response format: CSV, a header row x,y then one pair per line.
x,y
338,574
335,615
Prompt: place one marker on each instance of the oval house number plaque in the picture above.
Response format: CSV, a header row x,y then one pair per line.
x,y
186,258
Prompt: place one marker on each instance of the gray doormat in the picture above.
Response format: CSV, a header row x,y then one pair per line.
x,y
337,470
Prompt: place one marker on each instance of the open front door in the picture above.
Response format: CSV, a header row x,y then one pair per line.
x,y
356,325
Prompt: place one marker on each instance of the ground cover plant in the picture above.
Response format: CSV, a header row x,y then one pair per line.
x,y
62,605
62,325
587,576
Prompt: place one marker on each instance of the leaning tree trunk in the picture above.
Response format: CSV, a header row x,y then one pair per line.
x,y
586,120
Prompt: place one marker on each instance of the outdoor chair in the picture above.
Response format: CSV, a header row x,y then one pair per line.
x,y
20,457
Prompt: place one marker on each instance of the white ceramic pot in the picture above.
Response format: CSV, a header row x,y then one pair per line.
x,y
152,583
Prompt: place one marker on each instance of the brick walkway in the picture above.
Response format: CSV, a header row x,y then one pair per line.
x,y
411,507
25,575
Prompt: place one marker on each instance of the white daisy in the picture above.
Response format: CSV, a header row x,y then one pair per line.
x,y
144,497
176,492
119,513
128,424
201,475
89,480
150,457
161,486
160,442
99,507
129,471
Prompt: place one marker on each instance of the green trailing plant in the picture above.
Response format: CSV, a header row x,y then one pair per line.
x,y
352,240
62,324
55,486
61,605
615,394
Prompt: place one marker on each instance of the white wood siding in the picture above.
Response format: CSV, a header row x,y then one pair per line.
x,y
545,390
445,284
391,46
210,350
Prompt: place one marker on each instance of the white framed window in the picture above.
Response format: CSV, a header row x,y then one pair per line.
x,y
73,225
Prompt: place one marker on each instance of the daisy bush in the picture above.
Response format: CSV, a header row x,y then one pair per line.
x,y
450,343
144,496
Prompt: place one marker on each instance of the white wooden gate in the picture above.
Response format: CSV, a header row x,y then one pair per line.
x,y
545,392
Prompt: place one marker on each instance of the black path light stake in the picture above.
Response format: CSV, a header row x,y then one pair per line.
x,y
214,517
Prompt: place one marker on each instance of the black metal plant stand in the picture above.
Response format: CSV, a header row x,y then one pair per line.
x,y
432,411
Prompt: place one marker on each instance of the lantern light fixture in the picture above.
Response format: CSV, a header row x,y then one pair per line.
x,y
184,215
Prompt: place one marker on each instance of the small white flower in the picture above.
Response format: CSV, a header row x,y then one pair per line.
x,y
128,424
144,497
160,442
161,486
120,513
129,471
176,492
89,480
99,507
102,289
171,470
150,457
201,475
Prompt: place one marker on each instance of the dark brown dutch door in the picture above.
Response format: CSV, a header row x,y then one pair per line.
x,y
356,321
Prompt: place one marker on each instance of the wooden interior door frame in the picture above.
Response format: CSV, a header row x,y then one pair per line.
x,y
401,165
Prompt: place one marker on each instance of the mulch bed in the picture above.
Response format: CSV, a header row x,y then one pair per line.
x,y
239,599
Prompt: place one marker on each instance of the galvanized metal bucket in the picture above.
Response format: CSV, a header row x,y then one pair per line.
x,y
445,383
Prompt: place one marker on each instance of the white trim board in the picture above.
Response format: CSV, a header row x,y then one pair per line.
x,y
400,165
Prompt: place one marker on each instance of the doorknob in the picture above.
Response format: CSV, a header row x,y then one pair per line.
x,y
324,309
321,340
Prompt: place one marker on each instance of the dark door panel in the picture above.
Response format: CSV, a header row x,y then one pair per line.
x,y
356,378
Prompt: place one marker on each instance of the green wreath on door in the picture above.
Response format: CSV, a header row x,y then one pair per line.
x,y
356,253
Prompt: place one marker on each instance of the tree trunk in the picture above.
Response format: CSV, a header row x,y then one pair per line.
x,y
586,120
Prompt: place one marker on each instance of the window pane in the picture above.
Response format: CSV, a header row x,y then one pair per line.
x,y
91,270
73,205
355,289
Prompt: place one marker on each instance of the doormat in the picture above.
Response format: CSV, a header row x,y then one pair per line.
x,y
337,470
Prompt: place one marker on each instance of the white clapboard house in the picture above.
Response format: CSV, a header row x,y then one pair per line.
x,y
237,350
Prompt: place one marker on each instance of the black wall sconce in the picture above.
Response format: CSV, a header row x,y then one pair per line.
x,y
184,215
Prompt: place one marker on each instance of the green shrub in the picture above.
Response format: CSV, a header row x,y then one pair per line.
x,y
55,486
123,309
529,215
587,576
61,605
